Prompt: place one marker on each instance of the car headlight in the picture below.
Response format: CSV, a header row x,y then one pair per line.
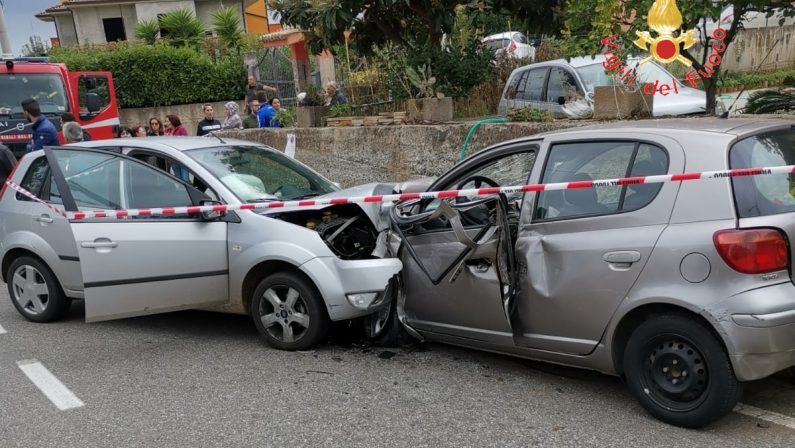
x,y
362,300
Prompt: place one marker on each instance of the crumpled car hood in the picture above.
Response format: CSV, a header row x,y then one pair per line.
x,y
372,210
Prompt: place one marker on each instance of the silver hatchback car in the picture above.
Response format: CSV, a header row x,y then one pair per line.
x,y
294,270
685,289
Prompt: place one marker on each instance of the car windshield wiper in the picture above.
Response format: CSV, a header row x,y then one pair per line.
x,y
304,196
271,199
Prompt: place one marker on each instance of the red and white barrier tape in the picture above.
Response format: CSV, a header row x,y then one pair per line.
x,y
447,194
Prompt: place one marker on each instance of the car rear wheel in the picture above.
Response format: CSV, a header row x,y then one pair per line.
x,y
288,312
35,292
679,371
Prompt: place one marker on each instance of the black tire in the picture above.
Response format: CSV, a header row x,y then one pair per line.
x,y
49,305
281,327
680,372
383,328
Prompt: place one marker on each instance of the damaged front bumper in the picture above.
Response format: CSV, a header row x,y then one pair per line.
x,y
352,288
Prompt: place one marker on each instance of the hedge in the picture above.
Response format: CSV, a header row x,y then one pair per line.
x,y
159,75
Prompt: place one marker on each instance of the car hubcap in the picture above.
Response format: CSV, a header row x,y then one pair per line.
x,y
284,314
675,374
30,290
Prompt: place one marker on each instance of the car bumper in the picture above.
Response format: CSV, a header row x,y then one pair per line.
x,y
758,327
342,282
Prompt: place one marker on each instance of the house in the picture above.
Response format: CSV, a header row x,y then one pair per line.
x,y
81,22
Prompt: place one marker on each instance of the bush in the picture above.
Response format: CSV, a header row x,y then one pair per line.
x,y
159,75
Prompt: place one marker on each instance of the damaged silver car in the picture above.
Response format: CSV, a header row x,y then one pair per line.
x,y
294,271
684,289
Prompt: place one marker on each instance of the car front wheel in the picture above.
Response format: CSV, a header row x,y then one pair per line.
x,y
289,312
35,291
679,371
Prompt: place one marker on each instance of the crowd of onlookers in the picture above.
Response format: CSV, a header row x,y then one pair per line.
x,y
262,111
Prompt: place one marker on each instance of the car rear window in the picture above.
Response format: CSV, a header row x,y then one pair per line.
x,y
769,194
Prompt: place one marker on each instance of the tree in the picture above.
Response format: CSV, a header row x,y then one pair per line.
x,y
588,22
182,28
404,22
226,24
147,31
35,47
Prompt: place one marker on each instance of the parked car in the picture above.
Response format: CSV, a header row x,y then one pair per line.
x,y
684,289
512,44
293,271
549,85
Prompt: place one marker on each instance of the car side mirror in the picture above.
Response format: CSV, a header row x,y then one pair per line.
x,y
211,215
561,100
92,102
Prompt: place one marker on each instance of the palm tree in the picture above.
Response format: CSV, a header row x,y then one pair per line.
x,y
147,31
182,27
769,102
226,24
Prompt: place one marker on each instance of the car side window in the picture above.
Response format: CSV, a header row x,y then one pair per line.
x,y
533,88
107,181
561,84
35,179
177,170
572,162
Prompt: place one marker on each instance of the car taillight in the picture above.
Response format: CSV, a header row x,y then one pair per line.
x,y
10,175
753,251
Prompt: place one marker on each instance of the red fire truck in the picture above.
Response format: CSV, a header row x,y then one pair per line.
x,y
89,96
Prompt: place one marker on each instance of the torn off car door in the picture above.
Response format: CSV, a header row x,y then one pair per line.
x,y
459,273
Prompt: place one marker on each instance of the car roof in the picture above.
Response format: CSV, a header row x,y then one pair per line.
x,y
677,127
178,143
506,35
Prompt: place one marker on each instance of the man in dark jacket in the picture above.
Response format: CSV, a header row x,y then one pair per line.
x,y
256,91
44,133
209,124
252,121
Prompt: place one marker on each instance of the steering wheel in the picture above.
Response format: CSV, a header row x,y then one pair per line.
x,y
475,216
479,181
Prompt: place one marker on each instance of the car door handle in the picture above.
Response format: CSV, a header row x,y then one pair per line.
x,y
621,259
44,219
98,244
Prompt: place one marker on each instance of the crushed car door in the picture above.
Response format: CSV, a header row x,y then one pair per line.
x,y
458,263
143,264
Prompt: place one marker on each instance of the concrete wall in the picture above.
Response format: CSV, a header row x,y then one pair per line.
x,y
751,45
88,22
204,10
358,155
189,114
150,10
65,28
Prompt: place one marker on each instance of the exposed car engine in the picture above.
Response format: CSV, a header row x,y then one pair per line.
x,y
345,229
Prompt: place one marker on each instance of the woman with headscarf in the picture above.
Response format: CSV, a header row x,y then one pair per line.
x,y
233,120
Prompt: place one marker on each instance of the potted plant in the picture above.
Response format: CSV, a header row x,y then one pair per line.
x,y
311,109
429,104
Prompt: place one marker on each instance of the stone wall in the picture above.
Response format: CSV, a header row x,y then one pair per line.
x,y
358,155
189,114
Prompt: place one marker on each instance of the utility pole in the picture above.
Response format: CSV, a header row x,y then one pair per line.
x,y
5,43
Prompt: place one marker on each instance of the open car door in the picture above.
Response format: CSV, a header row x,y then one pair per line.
x,y
143,264
459,273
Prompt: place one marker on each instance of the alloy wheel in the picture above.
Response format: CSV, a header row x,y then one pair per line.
x,y
284,314
30,290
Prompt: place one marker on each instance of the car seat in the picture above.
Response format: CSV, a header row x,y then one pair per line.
x,y
581,201
642,194
7,163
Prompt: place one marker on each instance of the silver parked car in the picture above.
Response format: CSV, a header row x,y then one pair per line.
x,y
294,270
549,85
683,288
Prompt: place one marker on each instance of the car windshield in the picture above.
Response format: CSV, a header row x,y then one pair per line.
x,y
770,194
47,89
594,75
257,174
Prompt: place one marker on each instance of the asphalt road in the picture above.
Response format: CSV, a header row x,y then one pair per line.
x,y
199,379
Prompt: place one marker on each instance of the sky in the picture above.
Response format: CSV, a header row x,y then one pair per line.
x,y
22,24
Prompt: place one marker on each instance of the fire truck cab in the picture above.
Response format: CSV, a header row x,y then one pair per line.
x,y
89,96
